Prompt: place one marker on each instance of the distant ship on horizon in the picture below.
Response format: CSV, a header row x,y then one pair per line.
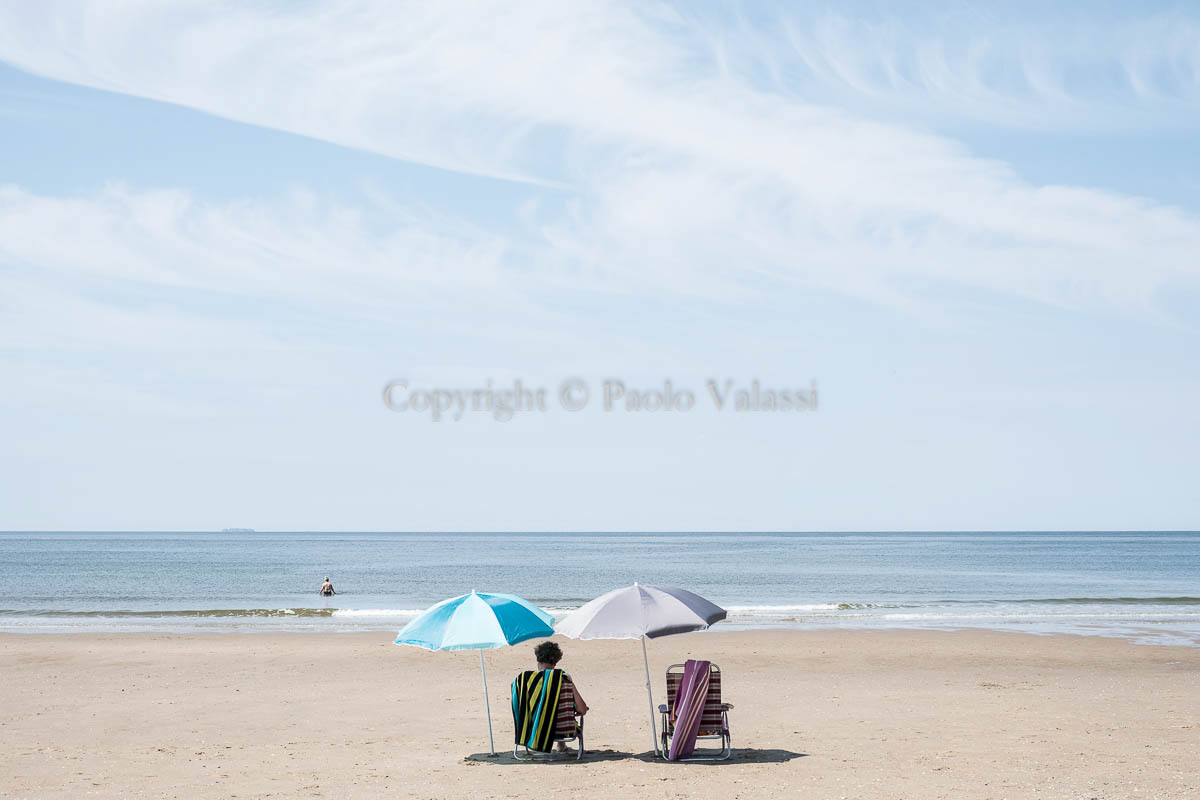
x,y
237,530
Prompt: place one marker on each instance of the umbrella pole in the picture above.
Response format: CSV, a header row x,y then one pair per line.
x,y
487,704
649,696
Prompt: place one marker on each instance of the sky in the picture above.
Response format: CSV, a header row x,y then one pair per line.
x,y
226,227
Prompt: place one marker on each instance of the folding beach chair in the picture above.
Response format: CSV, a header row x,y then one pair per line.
x,y
568,726
714,717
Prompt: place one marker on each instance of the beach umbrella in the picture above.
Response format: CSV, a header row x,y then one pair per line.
x,y
477,621
641,612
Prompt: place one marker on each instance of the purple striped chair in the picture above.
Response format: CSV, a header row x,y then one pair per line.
x,y
714,719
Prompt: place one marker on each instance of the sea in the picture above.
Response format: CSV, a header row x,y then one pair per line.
x,y
1140,585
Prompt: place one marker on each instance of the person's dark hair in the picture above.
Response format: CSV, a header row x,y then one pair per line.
x,y
548,653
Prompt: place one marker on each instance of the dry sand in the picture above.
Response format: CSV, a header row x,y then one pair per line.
x,y
818,714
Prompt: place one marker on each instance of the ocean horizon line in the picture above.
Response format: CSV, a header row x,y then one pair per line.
x,y
547,532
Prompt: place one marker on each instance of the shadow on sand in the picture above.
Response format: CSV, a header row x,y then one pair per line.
x,y
743,755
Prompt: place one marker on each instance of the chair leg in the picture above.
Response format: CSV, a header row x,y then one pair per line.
x,y
726,736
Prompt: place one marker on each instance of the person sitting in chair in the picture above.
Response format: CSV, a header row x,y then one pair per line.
x,y
548,654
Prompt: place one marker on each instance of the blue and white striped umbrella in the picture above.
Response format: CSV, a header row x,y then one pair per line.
x,y
477,621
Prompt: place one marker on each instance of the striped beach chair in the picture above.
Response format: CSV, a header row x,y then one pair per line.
x,y
568,726
714,718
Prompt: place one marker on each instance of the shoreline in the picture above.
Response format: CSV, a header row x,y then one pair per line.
x,y
893,713
1148,637
387,636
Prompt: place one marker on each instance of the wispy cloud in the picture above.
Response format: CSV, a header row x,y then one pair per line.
x,y
1040,69
298,244
160,271
676,153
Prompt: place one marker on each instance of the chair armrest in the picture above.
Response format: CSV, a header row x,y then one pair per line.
x,y
662,709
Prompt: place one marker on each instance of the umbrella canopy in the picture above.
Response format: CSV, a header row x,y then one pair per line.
x,y
477,621
632,612
641,612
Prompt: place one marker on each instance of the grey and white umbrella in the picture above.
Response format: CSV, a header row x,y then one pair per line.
x,y
641,612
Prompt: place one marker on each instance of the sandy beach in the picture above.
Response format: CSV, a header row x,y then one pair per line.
x,y
818,714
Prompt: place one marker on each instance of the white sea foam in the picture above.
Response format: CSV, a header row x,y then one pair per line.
x,y
783,609
397,613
